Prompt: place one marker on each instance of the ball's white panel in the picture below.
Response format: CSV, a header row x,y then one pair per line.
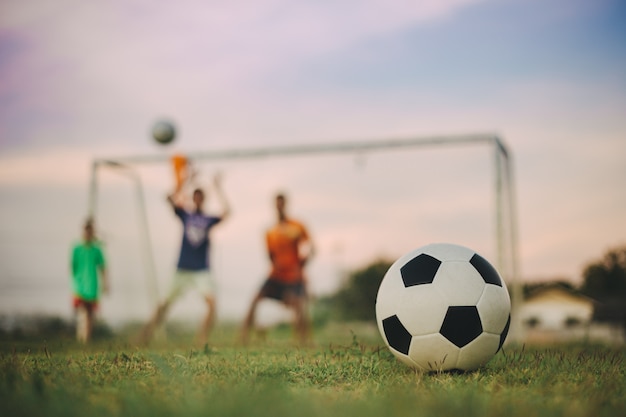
x,y
391,290
478,352
433,352
494,308
421,309
447,252
460,283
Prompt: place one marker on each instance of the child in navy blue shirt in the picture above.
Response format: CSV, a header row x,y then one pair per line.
x,y
194,267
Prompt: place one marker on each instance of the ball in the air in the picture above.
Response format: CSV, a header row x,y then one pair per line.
x,y
443,307
163,132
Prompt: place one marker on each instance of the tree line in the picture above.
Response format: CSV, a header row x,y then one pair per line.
x,y
604,281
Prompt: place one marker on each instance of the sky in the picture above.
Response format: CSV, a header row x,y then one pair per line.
x,y
80,81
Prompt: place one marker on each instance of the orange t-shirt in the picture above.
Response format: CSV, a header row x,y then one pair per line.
x,y
283,244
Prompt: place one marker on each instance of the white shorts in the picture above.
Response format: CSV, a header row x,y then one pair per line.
x,y
202,281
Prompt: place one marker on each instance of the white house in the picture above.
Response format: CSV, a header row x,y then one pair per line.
x,y
555,313
556,308
558,314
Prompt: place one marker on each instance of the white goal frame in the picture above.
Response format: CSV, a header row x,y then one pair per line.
x,y
505,204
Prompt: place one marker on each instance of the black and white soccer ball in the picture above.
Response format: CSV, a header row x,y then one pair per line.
x,y
443,307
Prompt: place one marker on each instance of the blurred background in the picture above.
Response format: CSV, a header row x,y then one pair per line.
x,y
82,81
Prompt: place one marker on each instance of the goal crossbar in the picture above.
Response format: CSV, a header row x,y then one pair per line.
x,y
310,149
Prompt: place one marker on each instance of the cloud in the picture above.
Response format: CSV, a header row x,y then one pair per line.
x,y
226,38
75,60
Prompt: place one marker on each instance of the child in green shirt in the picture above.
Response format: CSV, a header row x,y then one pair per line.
x,y
89,279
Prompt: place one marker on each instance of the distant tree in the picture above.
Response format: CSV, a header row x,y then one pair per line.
x,y
356,299
605,281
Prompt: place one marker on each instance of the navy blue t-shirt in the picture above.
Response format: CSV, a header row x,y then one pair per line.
x,y
194,250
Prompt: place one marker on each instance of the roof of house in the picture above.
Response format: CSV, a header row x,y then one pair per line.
x,y
557,292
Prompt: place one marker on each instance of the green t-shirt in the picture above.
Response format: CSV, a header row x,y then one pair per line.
x,y
87,259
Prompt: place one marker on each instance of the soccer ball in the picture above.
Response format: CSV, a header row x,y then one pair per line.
x,y
443,307
163,132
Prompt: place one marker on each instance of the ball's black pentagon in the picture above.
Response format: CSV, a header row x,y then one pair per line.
x,y
461,325
419,270
486,270
397,335
504,333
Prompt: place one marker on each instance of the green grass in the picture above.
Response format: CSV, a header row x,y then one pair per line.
x,y
348,373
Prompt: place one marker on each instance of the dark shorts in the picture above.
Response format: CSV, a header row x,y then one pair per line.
x,y
90,306
282,291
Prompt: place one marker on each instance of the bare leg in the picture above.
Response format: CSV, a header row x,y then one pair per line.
x,y
301,320
81,324
248,323
207,323
155,321
90,321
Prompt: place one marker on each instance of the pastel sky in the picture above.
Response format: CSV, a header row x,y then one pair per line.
x,y
80,80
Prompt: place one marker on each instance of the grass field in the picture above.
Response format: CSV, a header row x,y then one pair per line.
x,y
348,373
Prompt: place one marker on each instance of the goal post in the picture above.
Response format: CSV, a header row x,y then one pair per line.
x,y
505,213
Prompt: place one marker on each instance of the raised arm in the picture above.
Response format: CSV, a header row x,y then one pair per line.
x,y
175,200
221,196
